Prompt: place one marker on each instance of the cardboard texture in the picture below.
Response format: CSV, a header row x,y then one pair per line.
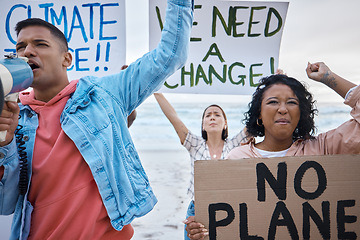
x,y
235,200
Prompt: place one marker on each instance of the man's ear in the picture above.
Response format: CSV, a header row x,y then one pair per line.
x,y
67,59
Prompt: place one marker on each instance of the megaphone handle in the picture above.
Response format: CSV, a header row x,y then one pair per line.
x,y
13,97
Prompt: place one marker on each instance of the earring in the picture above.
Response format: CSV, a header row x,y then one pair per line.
x,y
257,122
296,130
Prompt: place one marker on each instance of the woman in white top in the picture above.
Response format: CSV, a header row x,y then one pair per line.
x,y
213,143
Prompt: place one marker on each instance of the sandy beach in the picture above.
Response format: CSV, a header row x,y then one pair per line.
x,y
5,224
169,174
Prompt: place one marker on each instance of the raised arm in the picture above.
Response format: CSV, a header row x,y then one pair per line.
x,y
130,87
171,114
322,73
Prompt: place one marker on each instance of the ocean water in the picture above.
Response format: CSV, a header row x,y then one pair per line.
x,y
152,131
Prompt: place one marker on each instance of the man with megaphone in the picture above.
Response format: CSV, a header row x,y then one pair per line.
x,y
80,175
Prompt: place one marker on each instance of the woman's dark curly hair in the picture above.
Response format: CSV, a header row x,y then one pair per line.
x,y
305,128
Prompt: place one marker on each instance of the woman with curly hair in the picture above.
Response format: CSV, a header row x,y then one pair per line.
x,y
282,111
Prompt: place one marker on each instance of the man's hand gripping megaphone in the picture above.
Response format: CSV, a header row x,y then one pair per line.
x,y
16,75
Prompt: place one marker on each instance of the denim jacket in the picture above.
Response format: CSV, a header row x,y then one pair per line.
x,y
95,119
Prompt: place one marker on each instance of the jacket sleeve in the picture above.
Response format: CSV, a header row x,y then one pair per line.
x,y
146,75
345,139
9,183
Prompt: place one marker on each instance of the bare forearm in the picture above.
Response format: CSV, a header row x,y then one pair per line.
x,y
337,83
321,73
165,106
172,116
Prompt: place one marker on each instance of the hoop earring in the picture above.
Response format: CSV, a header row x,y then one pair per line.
x,y
257,122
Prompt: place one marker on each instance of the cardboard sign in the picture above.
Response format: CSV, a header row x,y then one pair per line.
x,y
310,197
95,31
233,45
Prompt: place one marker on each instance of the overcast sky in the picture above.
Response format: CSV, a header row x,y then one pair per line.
x,y
315,30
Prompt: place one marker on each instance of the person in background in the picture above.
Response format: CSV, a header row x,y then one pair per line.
x,y
131,118
212,144
282,111
71,171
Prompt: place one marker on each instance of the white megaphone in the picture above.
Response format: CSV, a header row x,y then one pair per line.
x,y
16,75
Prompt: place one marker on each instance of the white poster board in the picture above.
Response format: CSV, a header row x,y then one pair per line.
x,y
95,31
233,45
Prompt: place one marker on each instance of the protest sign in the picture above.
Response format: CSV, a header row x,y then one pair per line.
x,y
233,45
309,197
95,31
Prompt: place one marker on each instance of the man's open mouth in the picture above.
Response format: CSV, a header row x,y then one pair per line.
x,y
33,65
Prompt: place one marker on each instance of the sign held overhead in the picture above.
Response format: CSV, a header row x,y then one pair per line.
x,y
233,45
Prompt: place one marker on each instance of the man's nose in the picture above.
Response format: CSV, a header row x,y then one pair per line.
x,y
29,51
